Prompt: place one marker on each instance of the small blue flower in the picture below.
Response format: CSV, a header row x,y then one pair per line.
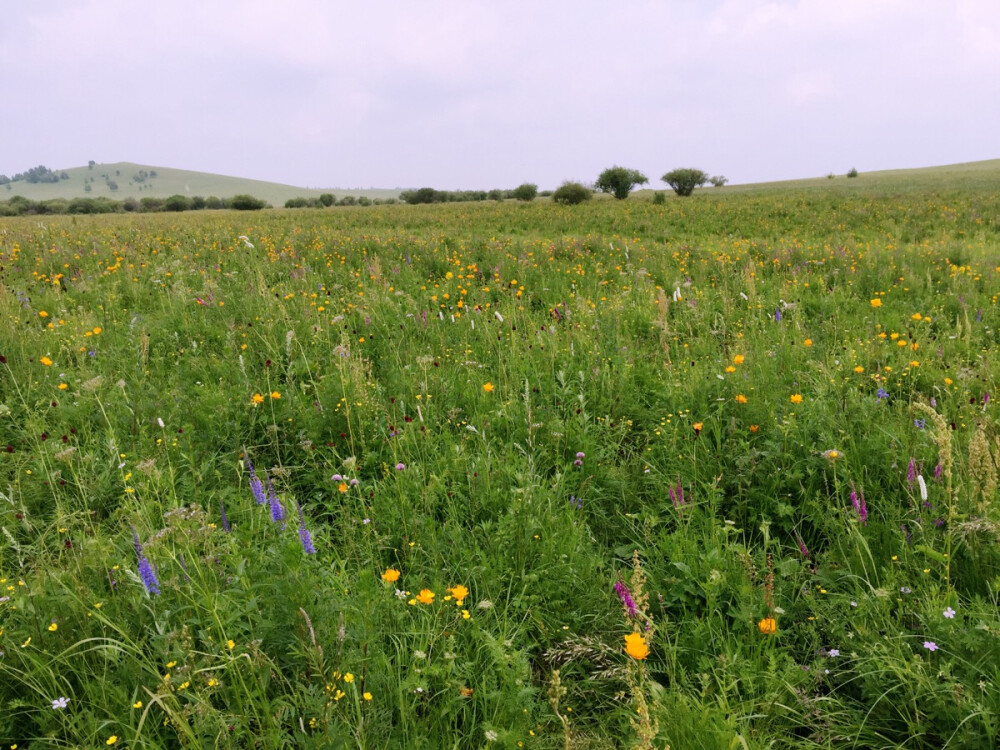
x,y
882,393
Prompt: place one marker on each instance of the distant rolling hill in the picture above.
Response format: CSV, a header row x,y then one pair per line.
x,y
136,181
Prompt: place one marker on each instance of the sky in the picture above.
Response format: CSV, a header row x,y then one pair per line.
x,y
480,95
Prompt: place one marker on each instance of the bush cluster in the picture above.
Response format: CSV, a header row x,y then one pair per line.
x,y
21,206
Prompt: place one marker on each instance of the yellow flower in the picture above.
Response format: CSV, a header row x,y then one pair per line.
x,y
213,682
42,314
635,646
768,626
459,592
113,739
488,387
808,342
342,486
137,704
948,381
275,395
53,628
730,369
367,696
917,316
831,455
391,575
876,302
171,664
348,677
426,596
698,426
257,399
230,644
63,386
46,361
465,614
796,398
914,363
739,359
740,398
97,331
859,369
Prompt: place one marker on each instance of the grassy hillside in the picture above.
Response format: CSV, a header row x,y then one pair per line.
x,y
972,175
132,183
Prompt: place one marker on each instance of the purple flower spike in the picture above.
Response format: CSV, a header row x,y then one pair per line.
x,y
626,596
225,519
802,546
277,512
777,314
911,472
148,576
304,536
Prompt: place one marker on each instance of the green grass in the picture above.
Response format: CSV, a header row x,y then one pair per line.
x,y
168,182
520,392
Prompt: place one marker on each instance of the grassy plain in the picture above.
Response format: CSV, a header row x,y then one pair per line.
x,y
717,473
168,181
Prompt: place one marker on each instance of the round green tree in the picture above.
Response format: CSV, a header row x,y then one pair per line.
x,y
620,181
685,180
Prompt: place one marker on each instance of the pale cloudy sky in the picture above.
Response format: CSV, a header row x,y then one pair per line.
x,y
475,94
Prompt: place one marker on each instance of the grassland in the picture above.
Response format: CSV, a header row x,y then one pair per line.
x,y
166,183
716,473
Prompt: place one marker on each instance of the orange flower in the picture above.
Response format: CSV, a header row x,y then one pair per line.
x,y
698,426
391,575
488,387
426,596
754,427
740,398
808,342
876,302
275,395
46,361
459,592
635,646
342,487
256,399
768,626
739,359
796,398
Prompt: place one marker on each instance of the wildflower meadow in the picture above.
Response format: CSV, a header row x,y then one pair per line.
x,y
711,472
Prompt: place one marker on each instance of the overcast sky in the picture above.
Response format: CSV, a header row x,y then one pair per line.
x,y
472,94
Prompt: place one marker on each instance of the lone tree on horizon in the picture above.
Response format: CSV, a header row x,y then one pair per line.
x,y
619,181
685,180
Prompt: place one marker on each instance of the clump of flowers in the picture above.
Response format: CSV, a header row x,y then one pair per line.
x,y
146,572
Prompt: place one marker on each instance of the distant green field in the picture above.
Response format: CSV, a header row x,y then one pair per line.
x,y
167,182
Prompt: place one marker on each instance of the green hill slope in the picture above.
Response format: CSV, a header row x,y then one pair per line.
x,y
136,181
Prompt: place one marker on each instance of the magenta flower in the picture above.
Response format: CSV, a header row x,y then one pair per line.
x,y
626,596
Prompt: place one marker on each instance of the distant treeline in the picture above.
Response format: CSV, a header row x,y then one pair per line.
x,y
21,206
329,199
525,192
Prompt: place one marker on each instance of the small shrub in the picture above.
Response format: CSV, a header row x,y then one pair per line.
x,y
526,192
718,180
659,198
852,172
244,202
571,193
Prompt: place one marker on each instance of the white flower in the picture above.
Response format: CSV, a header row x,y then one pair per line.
x,y
60,702
159,422
491,736
834,652
949,613
923,487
